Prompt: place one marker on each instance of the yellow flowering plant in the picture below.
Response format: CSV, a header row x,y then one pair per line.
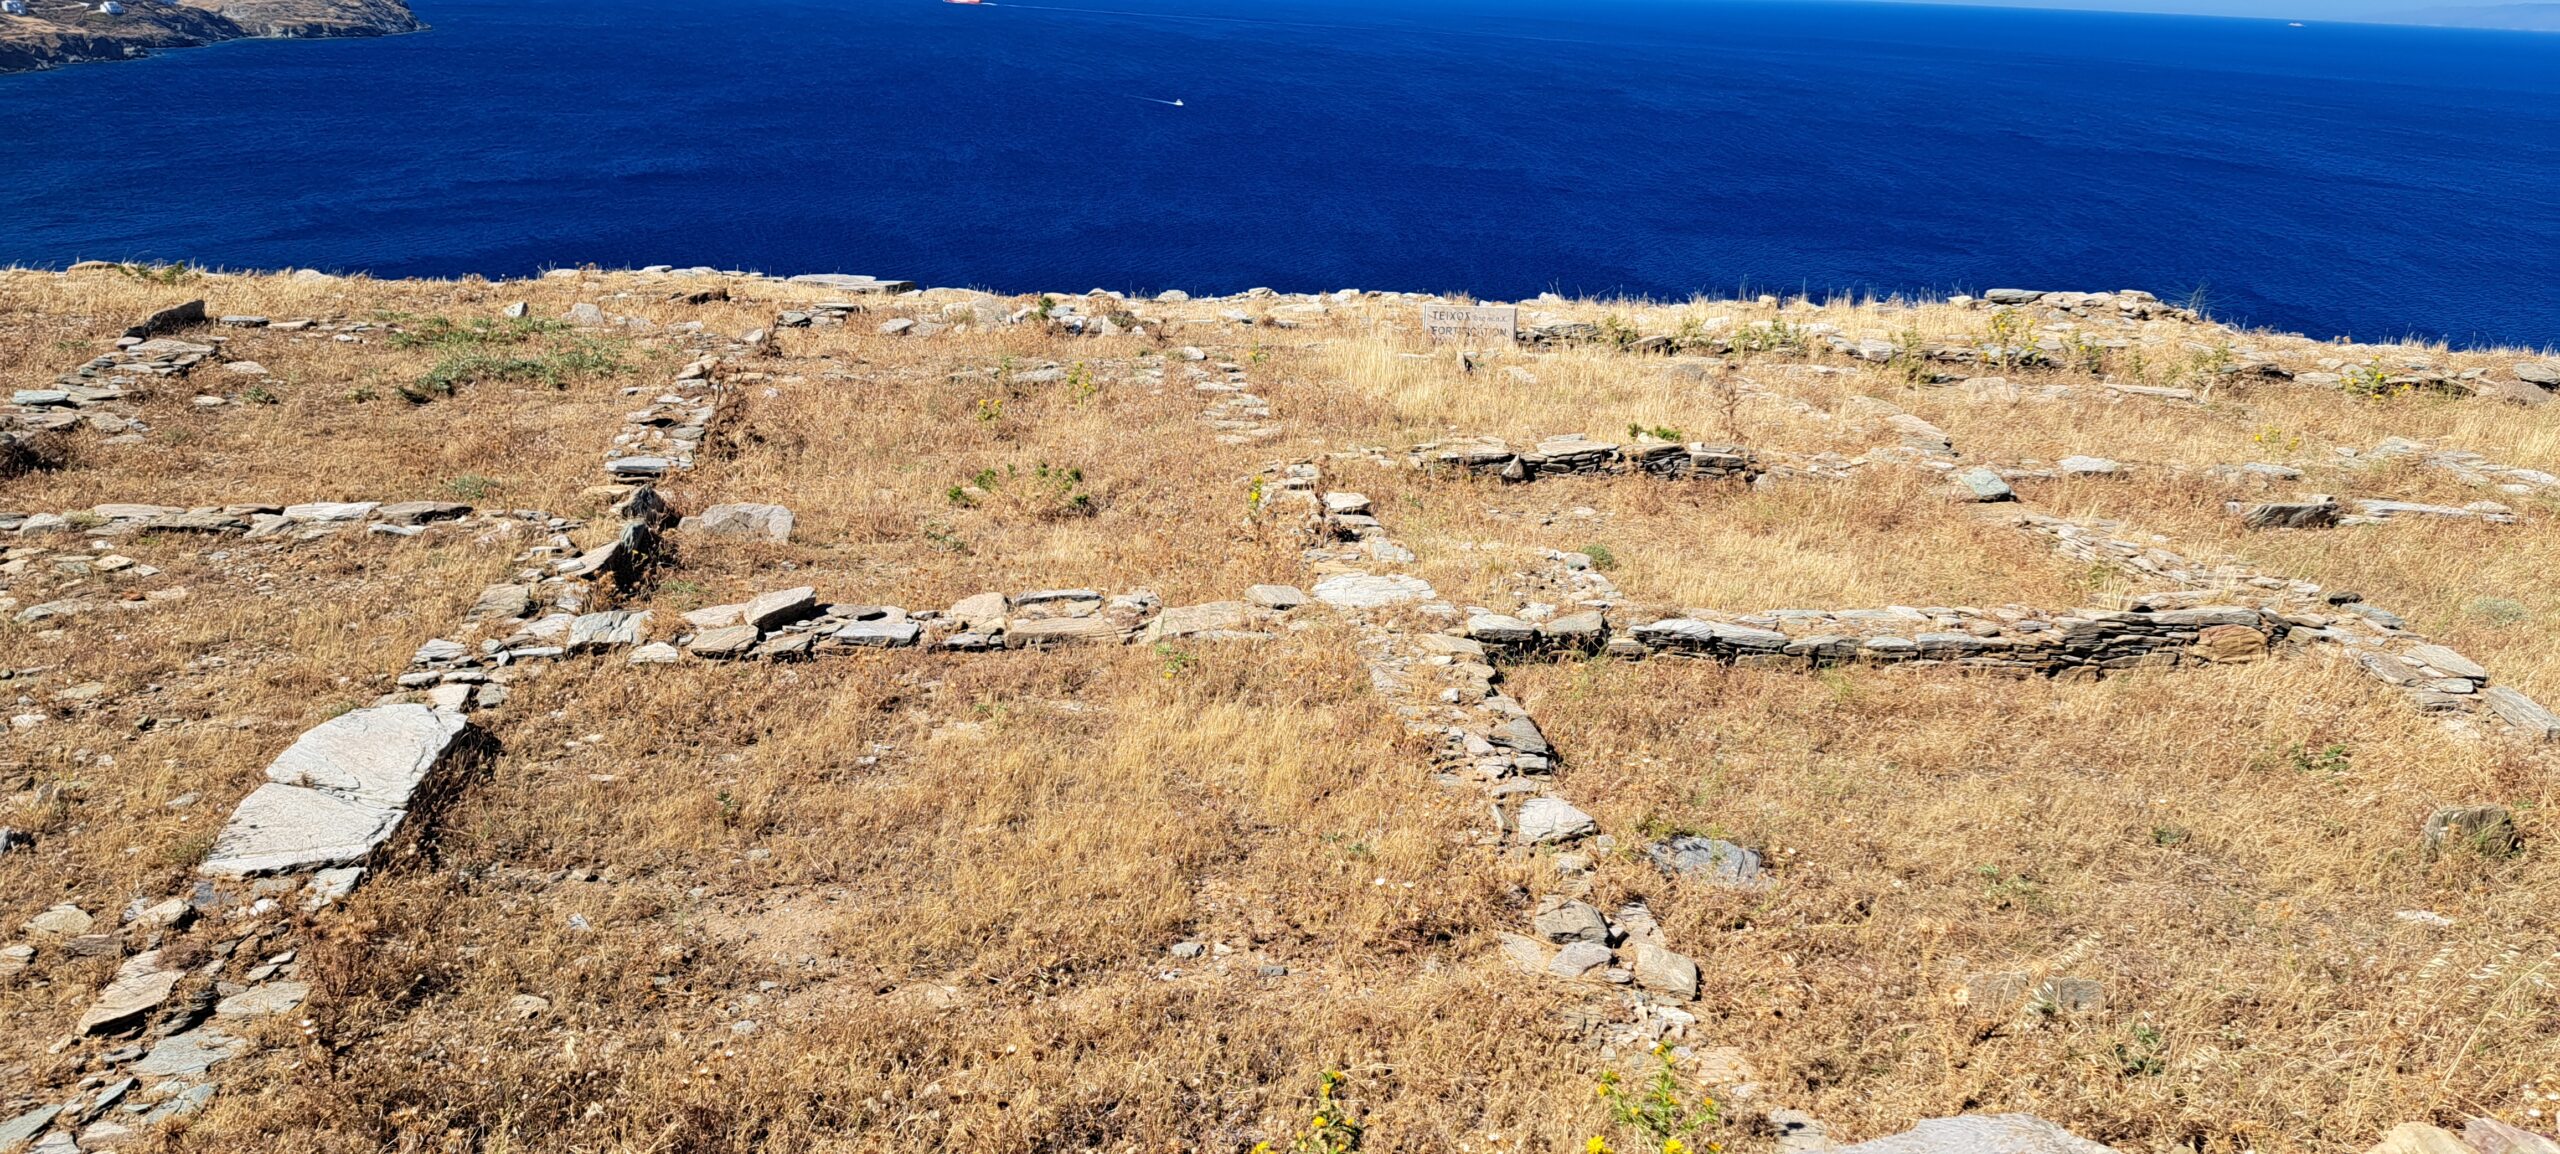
x,y
1333,1129
1659,1116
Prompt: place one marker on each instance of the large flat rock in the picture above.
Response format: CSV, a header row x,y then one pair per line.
x,y
338,792
1371,591
377,756
1981,1134
139,987
288,828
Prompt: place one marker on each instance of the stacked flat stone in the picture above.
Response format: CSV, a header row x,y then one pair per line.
x,y
2436,678
306,521
1576,453
1235,414
2468,467
664,437
1444,688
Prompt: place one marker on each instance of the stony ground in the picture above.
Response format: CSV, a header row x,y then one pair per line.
x,y
685,711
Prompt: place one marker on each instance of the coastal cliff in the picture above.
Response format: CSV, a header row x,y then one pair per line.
x,y
58,32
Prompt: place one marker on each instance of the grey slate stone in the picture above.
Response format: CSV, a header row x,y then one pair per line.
x,y
1213,618
1981,1134
23,1128
2312,514
1664,971
763,522
140,985
781,607
2523,712
189,1054
1572,922
1496,629
1275,596
1367,591
422,512
337,792
1689,633
1980,484
726,641
379,756
879,634
503,602
1552,819
1579,958
1707,859
612,629
1521,734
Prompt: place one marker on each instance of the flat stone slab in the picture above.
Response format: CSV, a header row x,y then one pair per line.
x,y
1665,971
140,985
1980,484
189,1054
264,1001
760,522
1981,1134
326,511
1553,819
1196,620
1707,859
1062,630
422,512
377,756
337,793
1691,633
725,641
287,828
981,610
781,607
25,1126
503,601
2523,712
1371,591
2317,513
1496,629
612,629
1276,596
879,634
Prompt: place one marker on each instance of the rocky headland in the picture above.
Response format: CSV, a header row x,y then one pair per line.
x,y
52,33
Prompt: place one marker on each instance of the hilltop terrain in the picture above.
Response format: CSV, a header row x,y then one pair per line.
x,y
59,32
685,710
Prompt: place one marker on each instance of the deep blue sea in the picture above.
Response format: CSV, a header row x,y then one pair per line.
x,y
2334,179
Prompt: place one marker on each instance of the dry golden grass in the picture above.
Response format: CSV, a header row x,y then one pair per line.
x,y
943,887
943,890
2226,852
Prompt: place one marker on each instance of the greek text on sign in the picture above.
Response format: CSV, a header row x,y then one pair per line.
x,y
1470,323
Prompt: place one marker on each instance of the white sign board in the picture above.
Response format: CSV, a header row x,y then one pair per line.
x,y
1471,324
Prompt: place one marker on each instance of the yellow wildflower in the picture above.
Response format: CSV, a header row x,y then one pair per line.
x,y
1674,1146
1596,1146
